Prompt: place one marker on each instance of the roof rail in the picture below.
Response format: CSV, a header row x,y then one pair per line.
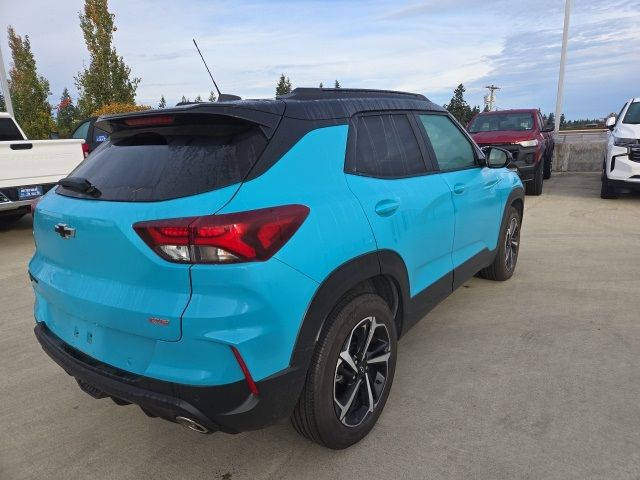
x,y
331,93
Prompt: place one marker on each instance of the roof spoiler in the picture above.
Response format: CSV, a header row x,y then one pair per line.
x,y
266,120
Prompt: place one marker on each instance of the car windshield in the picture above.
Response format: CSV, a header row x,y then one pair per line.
x,y
501,121
633,114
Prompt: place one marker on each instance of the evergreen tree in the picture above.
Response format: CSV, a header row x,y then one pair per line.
x,y
459,108
184,99
3,106
336,84
284,86
212,96
551,119
67,114
29,91
107,79
163,102
320,86
198,99
563,122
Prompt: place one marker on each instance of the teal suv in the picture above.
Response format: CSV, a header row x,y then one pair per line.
x,y
227,265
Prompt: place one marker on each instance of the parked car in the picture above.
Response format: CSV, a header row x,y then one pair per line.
x,y
29,168
224,265
93,136
621,166
525,135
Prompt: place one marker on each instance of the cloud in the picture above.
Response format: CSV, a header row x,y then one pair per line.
x,y
427,47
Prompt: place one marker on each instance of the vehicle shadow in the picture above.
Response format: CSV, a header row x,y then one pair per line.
x,y
25,223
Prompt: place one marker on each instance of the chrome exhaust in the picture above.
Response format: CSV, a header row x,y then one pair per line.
x,y
192,425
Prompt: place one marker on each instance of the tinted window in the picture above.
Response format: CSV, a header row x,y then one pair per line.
x,y
453,150
81,131
493,122
200,154
633,114
8,131
387,147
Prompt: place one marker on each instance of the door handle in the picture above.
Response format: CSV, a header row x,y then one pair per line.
x,y
459,188
384,208
21,146
491,183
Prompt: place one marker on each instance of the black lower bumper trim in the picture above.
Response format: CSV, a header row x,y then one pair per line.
x,y
230,408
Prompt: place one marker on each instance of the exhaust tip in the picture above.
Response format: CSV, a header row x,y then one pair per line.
x,y
192,425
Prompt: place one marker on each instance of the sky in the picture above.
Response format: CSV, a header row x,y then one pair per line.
x,y
427,47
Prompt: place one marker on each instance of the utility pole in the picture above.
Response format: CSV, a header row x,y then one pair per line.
x,y
4,85
563,61
490,100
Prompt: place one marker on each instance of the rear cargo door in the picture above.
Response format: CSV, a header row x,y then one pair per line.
x,y
94,276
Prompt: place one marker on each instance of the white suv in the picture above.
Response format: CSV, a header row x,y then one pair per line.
x,y
621,168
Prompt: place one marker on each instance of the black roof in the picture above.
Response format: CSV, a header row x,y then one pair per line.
x,y
305,104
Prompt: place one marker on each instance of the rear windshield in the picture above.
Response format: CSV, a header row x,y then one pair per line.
x,y
196,155
501,121
8,131
633,114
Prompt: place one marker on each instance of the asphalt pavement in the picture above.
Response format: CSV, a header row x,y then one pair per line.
x,y
534,378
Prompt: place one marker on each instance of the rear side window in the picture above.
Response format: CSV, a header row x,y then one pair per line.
x,y
81,131
386,147
8,131
197,155
453,150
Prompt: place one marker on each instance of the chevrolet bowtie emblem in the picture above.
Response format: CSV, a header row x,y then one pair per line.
x,y
65,231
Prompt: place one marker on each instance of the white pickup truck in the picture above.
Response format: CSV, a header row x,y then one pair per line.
x,y
30,168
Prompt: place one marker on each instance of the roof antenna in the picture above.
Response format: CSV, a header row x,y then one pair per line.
x,y
221,96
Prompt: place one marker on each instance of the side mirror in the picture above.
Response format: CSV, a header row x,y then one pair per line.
x,y
497,157
610,122
548,128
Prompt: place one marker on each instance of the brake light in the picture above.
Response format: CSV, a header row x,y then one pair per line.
x,y
251,236
85,150
149,121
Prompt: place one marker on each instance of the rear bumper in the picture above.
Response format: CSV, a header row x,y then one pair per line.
x,y
230,408
9,201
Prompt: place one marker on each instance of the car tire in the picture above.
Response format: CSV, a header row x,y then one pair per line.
x,y
340,404
504,264
547,166
8,220
607,191
534,187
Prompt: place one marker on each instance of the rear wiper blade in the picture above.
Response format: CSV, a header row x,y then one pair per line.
x,y
80,184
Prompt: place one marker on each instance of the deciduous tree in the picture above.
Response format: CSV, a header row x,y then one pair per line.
x,y
107,79
29,91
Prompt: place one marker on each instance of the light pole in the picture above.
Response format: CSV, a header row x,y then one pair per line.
x,y
4,85
563,61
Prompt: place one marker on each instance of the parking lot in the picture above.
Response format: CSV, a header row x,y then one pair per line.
x,y
537,377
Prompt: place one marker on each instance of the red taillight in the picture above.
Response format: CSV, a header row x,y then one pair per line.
x,y
149,121
230,238
85,149
253,388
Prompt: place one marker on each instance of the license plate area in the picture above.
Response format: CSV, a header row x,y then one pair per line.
x,y
27,193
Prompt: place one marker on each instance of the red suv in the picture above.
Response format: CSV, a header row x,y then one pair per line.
x,y
525,135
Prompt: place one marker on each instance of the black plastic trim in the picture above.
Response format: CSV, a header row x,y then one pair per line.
x,y
230,408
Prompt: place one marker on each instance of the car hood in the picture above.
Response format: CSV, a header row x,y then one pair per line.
x,y
627,130
503,136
